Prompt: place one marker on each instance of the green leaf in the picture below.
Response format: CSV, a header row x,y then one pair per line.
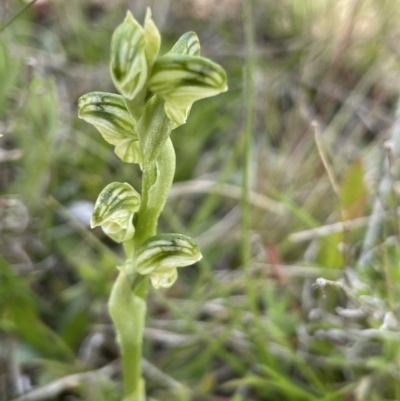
x,y
165,171
114,210
188,44
128,57
161,255
157,182
128,150
153,39
153,128
181,80
123,307
108,113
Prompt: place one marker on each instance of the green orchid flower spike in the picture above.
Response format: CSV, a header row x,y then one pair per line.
x,y
156,96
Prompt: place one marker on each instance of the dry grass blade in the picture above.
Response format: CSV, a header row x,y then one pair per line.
x,y
71,382
228,190
328,229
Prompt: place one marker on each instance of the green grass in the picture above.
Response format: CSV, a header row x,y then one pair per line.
x,y
247,322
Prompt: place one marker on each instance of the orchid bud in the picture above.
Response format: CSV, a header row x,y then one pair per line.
x,y
128,57
114,210
161,255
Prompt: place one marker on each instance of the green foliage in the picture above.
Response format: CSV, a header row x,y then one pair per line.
x,y
19,314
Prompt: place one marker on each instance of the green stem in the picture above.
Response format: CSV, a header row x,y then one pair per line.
x,y
131,356
131,349
128,298
128,311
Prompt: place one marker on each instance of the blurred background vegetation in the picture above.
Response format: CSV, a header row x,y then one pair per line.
x,y
312,311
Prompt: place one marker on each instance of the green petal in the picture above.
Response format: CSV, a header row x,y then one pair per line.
x,y
176,113
128,150
124,234
162,253
152,38
164,279
188,44
114,210
128,58
108,113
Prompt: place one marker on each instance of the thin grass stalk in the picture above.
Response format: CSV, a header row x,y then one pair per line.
x,y
249,98
17,15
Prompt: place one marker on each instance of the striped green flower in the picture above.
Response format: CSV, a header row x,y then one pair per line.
x,y
182,79
114,210
128,57
161,255
108,113
187,45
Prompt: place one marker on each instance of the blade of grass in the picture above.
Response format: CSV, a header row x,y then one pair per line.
x,y
249,99
17,15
